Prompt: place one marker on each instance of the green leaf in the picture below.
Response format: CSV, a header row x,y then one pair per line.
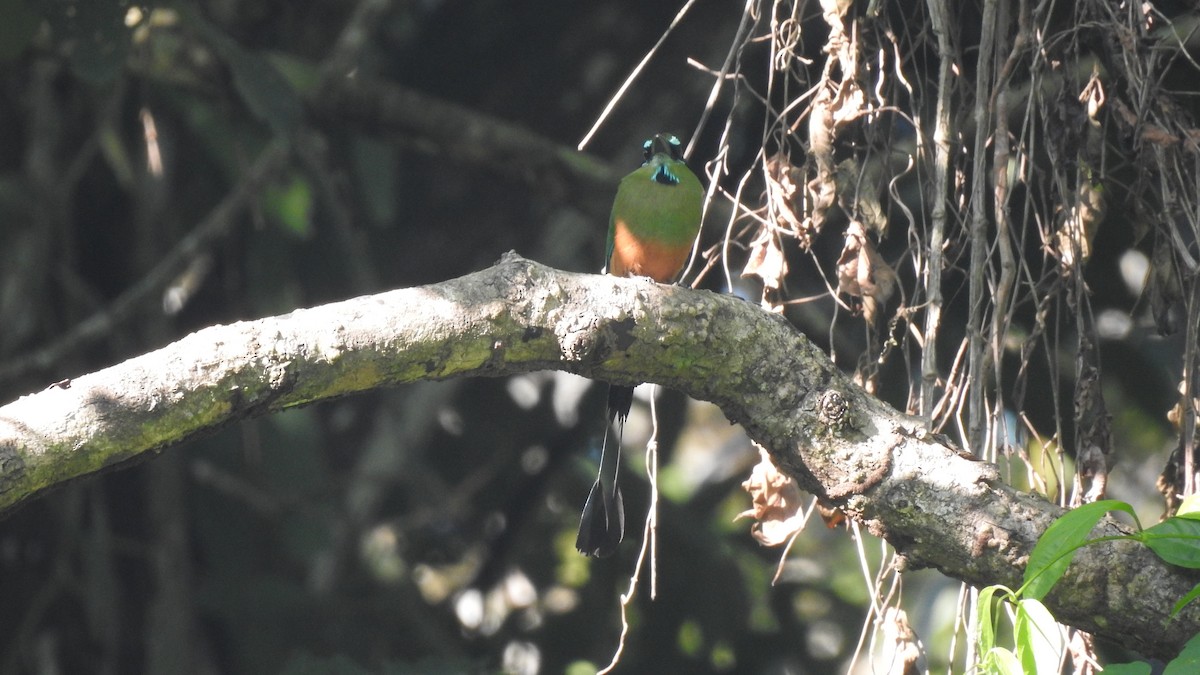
x,y
263,88
1175,540
1189,507
266,93
985,606
1138,668
1039,640
292,205
1002,662
1057,545
1187,662
301,74
1183,602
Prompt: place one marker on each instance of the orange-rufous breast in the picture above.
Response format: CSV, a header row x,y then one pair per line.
x,y
633,256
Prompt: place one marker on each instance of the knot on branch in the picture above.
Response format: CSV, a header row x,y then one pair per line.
x,y
833,411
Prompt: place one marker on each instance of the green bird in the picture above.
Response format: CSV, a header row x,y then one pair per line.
x,y
655,219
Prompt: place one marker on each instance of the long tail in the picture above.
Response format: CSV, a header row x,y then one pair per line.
x,y
620,400
602,525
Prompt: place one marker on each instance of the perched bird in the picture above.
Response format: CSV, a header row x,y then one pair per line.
x,y
655,219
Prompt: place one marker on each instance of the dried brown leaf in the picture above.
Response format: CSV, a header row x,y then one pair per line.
x,y
1083,653
1164,286
1152,133
1124,113
858,192
784,198
1093,424
903,653
776,503
1077,231
863,273
1093,95
767,261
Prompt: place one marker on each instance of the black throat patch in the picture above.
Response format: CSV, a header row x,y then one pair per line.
x,y
663,176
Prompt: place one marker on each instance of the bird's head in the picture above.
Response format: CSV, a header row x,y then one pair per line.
x,y
661,153
663,144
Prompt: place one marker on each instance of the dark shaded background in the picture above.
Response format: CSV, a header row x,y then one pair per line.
x,y
425,529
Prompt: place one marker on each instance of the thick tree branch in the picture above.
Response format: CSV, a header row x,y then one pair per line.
x,y
936,507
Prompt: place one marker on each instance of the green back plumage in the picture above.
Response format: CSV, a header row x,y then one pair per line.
x,y
660,201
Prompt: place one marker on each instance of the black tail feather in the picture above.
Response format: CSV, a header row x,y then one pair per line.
x,y
620,400
602,525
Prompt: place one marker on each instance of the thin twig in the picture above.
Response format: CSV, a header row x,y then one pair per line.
x,y
612,103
